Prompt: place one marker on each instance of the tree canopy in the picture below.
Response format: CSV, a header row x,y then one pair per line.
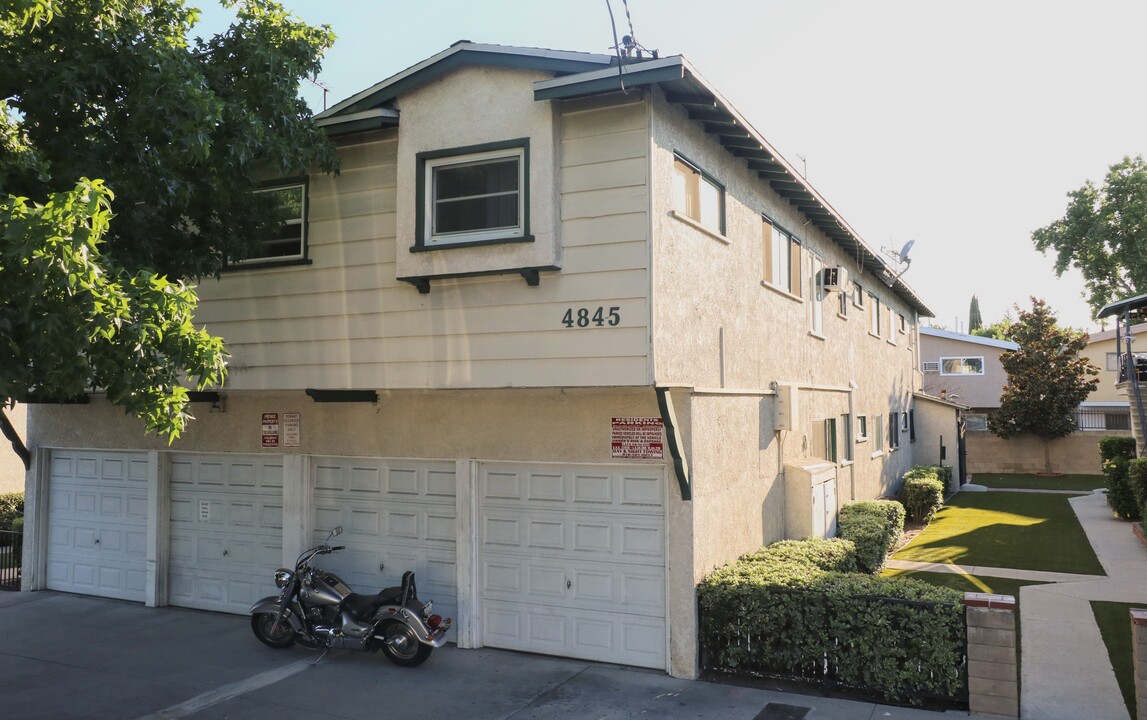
x,y
975,321
1047,378
129,160
1104,234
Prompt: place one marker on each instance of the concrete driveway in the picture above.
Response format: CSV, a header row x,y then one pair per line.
x,y
68,657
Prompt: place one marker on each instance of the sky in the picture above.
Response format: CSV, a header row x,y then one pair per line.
x,y
961,126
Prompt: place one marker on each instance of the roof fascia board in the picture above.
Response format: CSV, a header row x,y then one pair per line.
x,y
647,72
466,54
974,339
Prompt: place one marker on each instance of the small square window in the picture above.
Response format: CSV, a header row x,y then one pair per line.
x,y
288,241
474,195
698,196
861,428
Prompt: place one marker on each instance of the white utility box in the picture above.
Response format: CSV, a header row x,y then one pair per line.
x,y
810,500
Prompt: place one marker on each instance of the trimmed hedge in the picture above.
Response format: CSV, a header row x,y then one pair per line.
x,y
1117,454
773,613
874,527
923,491
833,554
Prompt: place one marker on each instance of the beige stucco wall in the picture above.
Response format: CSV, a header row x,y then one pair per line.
x,y
937,427
1077,453
11,466
1096,353
975,391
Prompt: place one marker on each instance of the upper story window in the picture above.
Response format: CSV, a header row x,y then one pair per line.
x,y
782,254
873,315
289,240
961,366
476,194
816,294
698,196
891,327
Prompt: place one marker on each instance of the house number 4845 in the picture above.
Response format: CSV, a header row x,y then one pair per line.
x,y
584,317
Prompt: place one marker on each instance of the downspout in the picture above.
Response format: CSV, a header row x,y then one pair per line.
x,y
13,436
676,443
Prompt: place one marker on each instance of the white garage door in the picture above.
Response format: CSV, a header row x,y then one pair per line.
x,y
397,515
572,561
97,523
226,530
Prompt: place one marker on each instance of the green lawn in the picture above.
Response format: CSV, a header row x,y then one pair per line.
x,y
1027,531
1115,627
1082,483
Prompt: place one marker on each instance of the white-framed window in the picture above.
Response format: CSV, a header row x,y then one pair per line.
x,y
782,256
846,432
816,294
842,299
1113,362
961,366
873,315
861,428
698,196
857,295
902,324
289,240
476,194
893,431
975,421
891,326
903,422
877,433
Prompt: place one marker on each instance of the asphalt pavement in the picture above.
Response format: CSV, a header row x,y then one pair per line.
x,y
70,657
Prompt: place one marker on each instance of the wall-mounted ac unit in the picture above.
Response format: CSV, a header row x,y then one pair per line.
x,y
931,366
834,279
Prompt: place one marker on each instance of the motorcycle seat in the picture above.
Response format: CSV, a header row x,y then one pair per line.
x,y
362,607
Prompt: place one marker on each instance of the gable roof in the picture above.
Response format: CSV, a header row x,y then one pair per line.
x,y
585,74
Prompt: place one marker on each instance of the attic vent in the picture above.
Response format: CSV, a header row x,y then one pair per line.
x,y
932,366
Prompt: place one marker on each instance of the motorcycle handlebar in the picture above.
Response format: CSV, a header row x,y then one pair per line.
x,y
338,547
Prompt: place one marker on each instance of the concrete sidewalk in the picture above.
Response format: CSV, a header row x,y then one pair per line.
x,y
69,657
1066,670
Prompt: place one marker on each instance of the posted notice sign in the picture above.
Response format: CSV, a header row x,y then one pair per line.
x,y
637,438
270,430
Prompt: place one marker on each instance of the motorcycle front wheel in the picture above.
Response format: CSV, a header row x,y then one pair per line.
x,y
401,645
263,625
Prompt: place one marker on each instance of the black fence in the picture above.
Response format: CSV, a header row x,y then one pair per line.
x,y
1103,418
11,552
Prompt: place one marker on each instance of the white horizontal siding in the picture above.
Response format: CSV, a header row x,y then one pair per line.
x,y
346,321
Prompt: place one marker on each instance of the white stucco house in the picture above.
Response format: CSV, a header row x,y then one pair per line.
x,y
559,347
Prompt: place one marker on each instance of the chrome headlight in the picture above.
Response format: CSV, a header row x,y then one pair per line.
x,y
283,578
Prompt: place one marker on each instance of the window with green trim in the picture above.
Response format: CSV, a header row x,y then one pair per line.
x,y
473,195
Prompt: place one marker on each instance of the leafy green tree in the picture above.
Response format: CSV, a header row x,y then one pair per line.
x,y
1047,378
975,322
998,330
180,133
1104,234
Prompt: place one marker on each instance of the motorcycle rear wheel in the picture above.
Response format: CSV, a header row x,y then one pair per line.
x,y
263,625
401,645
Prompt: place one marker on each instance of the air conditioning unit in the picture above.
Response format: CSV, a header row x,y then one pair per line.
x,y
833,279
931,366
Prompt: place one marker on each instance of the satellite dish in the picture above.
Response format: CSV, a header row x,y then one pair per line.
x,y
904,250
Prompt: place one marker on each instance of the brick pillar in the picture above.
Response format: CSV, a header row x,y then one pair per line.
x,y
993,677
1139,660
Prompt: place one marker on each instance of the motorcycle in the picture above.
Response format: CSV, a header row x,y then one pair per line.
x,y
316,609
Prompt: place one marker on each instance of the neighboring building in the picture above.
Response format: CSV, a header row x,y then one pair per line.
x,y
965,369
11,465
1107,408
559,348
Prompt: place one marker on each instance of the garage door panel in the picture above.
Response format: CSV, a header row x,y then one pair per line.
x,y
226,530
97,523
572,561
396,514
625,639
605,536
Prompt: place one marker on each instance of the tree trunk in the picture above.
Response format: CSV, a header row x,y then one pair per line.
x,y
1047,456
